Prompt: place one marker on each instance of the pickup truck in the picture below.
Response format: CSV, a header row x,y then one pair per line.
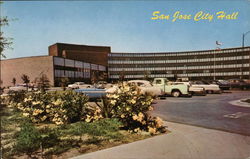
x,y
172,88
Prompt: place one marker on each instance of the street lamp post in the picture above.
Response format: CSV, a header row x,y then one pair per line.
x,y
243,45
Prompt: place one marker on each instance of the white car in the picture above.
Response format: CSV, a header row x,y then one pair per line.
x,y
210,88
19,87
194,89
80,85
145,87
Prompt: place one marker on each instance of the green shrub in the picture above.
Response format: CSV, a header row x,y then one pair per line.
x,y
28,139
49,137
15,97
103,127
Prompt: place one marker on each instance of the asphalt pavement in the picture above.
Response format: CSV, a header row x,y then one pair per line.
x,y
213,111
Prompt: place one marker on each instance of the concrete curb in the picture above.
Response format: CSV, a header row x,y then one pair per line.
x,y
240,103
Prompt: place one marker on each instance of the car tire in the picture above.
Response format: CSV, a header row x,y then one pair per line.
x,y
176,93
209,91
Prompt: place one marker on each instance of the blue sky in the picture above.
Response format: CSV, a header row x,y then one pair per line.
x,y
126,26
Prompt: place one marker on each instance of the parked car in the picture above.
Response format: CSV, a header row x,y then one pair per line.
x,y
194,89
172,88
145,87
103,85
210,88
80,85
19,87
92,93
239,83
223,84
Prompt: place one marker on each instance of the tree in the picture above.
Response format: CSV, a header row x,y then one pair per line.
x,y
5,43
94,78
64,81
25,79
14,81
146,75
42,82
122,76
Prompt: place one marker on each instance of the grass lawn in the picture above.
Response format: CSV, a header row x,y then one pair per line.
x,y
59,141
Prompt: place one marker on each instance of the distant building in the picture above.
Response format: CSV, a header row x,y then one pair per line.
x,y
88,63
206,64
75,62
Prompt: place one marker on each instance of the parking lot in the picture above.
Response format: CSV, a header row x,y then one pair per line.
x,y
212,111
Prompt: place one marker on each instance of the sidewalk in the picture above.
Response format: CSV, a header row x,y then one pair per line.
x,y
184,142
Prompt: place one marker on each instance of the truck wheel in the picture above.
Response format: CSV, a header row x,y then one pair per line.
x,y
176,93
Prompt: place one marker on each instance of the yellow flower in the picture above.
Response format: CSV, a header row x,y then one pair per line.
x,y
159,122
122,116
48,106
140,117
150,108
26,114
25,100
115,96
127,108
88,119
137,129
151,130
59,122
135,117
43,118
37,102
113,102
133,101
57,102
126,88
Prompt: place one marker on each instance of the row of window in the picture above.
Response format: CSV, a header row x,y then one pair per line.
x,y
180,68
72,74
177,53
58,61
183,75
178,61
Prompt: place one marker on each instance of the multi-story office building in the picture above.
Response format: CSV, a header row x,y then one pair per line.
x,y
75,62
205,64
83,63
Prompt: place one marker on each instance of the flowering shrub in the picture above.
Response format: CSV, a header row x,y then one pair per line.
x,y
131,108
59,108
15,97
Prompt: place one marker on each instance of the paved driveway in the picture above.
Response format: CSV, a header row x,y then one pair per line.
x,y
212,111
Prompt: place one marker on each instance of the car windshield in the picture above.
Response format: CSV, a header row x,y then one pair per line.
x,y
157,81
80,83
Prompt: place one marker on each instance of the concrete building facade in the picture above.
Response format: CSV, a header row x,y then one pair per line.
x,y
196,65
93,63
33,67
75,62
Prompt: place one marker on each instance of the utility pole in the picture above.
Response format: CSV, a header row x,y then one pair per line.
x,y
243,45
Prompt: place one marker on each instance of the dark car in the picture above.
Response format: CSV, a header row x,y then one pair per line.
x,y
239,83
224,85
